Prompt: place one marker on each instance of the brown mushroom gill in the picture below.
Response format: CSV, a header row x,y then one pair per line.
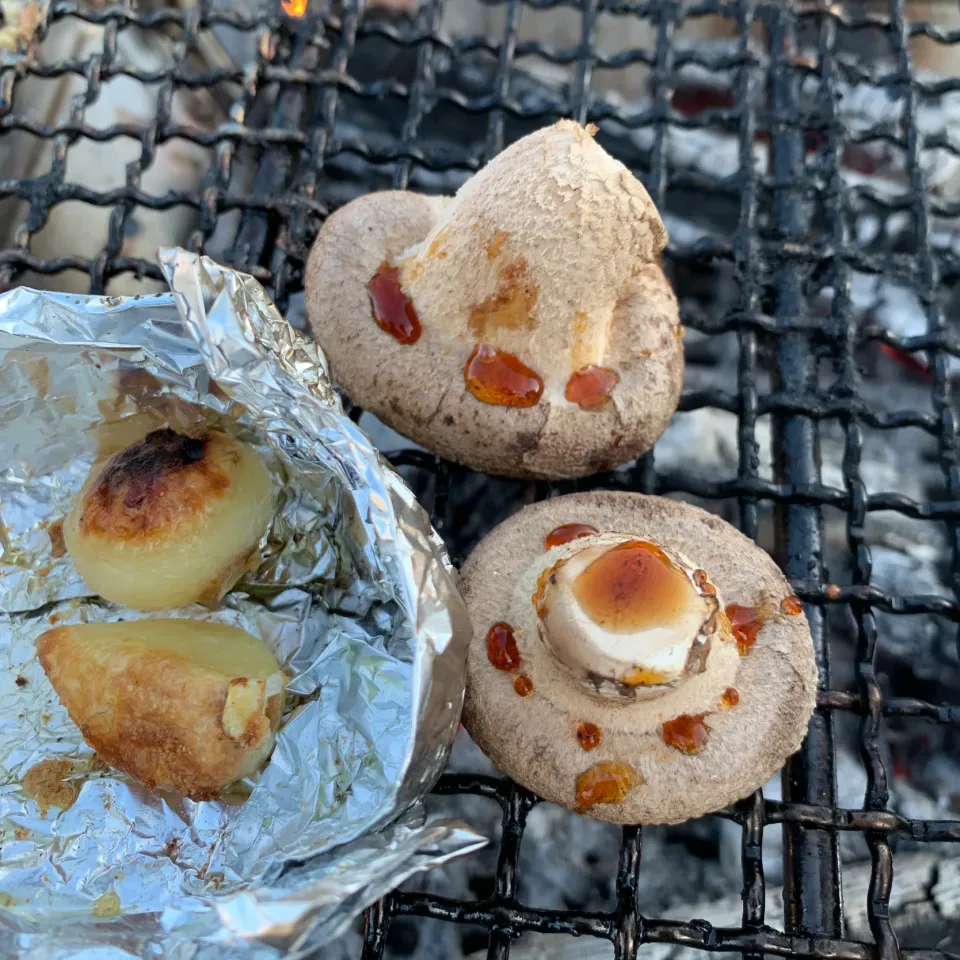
x,y
625,619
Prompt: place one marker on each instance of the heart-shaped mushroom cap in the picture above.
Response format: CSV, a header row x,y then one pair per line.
x,y
653,668
524,327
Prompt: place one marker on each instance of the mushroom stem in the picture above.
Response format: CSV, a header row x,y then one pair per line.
x,y
626,619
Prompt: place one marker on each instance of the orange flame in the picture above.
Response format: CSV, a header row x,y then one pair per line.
x,y
294,8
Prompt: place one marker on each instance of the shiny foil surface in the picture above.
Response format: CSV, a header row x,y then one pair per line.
x,y
354,593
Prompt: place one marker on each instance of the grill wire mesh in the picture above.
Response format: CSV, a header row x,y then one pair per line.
x,y
791,241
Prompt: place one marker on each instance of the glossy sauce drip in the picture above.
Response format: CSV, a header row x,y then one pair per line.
x,y
500,379
523,685
590,387
495,243
589,735
539,597
703,583
729,698
502,649
392,308
791,606
633,586
686,733
746,623
605,782
107,906
58,546
567,532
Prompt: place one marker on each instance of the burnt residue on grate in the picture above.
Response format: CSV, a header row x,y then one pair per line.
x,y
807,165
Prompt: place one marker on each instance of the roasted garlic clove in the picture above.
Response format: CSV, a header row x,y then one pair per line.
x,y
171,520
180,705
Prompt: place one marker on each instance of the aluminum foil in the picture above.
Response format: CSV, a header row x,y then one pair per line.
x,y
354,593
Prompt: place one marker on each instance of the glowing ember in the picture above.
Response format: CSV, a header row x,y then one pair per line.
x,y
294,8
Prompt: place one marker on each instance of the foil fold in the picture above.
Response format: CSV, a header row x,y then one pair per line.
x,y
355,594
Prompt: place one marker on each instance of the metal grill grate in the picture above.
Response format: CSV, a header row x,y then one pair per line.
x,y
314,123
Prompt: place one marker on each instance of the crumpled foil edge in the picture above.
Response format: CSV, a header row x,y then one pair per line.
x,y
312,880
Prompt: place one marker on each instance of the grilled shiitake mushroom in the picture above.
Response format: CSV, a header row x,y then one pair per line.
x,y
635,658
524,327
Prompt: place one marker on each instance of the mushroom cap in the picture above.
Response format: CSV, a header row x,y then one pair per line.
x,y
551,254
533,738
